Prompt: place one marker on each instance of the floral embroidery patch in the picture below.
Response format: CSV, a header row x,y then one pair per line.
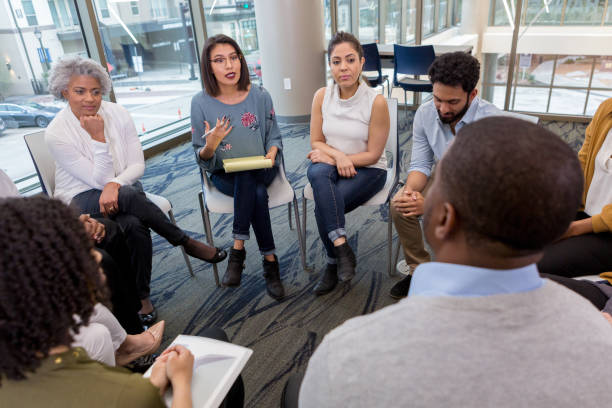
x,y
225,147
249,120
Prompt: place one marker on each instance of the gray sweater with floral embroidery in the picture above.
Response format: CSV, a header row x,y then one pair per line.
x,y
254,130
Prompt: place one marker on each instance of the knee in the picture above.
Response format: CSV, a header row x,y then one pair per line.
x,y
215,333
261,194
132,226
402,220
319,171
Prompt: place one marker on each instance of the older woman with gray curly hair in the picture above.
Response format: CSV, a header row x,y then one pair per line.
x,y
99,160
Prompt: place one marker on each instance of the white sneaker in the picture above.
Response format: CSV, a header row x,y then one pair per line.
x,y
403,268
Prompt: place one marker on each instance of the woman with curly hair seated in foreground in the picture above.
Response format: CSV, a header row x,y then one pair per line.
x,y
49,285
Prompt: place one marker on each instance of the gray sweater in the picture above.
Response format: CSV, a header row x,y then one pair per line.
x,y
254,130
544,348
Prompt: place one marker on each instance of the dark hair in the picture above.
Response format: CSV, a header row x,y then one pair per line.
x,y
455,68
342,37
511,181
47,276
210,82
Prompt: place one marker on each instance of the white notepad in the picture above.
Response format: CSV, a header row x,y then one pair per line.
x,y
216,366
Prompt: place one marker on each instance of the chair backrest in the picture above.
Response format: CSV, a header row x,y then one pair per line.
x,y
528,118
372,58
43,161
392,145
412,60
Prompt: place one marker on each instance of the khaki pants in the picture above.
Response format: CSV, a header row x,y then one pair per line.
x,y
411,235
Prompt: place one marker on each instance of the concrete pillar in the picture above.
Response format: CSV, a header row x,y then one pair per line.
x,y
292,43
474,20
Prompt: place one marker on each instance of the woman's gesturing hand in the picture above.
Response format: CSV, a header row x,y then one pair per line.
x,y
222,129
345,166
94,125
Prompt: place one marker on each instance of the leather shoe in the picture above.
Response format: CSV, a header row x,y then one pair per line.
x,y
198,250
147,319
274,287
400,289
328,281
155,332
346,262
235,265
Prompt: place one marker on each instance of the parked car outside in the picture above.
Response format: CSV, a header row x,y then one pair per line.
x,y
25,115
43,107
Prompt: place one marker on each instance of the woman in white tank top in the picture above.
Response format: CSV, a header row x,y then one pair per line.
x,y
349,126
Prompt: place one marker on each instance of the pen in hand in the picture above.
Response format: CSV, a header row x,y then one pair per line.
x,y
209,132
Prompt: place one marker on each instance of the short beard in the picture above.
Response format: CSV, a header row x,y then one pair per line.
x,y
456,117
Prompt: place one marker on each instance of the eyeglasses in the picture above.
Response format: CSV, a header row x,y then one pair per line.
x,y
234,58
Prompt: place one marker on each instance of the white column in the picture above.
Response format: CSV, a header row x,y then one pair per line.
x,y
292,42
474,20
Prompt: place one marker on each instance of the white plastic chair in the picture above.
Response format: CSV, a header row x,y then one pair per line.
x,y
213,201
45,169
383,196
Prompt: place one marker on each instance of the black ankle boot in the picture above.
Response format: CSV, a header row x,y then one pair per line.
x,y
328,281
346,262
235,265
273,283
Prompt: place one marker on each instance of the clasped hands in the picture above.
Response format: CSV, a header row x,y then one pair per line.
x,y
94,229
408,203
342,162
174,365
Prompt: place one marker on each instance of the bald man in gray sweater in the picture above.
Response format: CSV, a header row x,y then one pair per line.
x,y
479,327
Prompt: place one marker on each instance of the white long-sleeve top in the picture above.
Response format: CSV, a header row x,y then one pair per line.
x,y
82,163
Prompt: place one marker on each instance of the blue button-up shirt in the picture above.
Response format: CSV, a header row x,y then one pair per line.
x,y
446,279
431,137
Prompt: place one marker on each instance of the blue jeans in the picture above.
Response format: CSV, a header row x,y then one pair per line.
x,y
250,203
335,196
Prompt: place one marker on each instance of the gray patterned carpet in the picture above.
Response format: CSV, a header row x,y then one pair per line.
x,y
283,335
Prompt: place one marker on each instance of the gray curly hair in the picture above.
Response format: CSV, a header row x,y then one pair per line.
x,y
64,69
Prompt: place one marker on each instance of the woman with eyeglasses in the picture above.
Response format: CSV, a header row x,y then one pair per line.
x,y
232,119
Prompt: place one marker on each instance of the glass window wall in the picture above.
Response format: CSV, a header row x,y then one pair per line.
x,y
26,55
152,61
237,20
368,21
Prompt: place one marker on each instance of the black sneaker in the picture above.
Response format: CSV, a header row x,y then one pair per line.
x,y
272,275
400,289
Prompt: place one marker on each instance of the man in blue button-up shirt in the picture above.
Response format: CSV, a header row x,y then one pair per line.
x,y
455,103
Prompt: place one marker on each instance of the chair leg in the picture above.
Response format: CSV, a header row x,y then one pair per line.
x,y
388,89
289,214
187,261
397,251
300,236
304,207
390,269
208,232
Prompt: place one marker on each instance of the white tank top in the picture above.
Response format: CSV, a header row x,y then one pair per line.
x,y
346,122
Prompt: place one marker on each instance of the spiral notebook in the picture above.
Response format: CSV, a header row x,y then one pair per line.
x,y
216,366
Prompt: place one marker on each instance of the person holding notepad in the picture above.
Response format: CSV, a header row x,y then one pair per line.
x,y
230,120
349,127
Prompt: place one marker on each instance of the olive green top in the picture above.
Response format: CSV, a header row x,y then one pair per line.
x,y
72,379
